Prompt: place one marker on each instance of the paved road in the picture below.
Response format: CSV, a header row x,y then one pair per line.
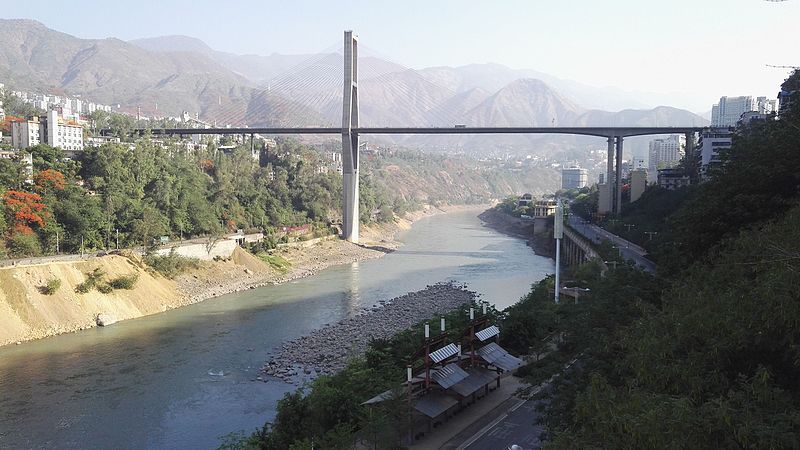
x,y
629,250
517,427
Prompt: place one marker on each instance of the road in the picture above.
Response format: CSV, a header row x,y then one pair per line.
x,y
627,249
517,427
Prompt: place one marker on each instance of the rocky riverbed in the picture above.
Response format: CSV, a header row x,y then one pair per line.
x,y
326,350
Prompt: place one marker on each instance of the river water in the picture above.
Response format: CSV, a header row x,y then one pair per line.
x,y
184,378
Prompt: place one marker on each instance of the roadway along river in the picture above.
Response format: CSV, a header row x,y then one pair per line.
x,y
184,378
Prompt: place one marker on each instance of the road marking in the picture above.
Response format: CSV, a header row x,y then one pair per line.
x,y
488,427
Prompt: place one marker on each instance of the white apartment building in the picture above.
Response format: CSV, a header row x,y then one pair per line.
x,y
712,141
48,129
26,133
666,152
65,135
729,110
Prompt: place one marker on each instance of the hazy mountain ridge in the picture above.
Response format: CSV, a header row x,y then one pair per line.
x,y
179,73
112,71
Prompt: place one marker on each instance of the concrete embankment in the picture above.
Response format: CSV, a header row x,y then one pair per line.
x,y
538,234
326,350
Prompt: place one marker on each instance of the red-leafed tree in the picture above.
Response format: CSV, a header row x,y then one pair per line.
x,y
49,180
25,210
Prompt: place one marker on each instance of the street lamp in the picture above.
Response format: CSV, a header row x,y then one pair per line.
x,y
650,234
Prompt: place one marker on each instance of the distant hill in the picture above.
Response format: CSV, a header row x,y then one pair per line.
x,y
177,73
112,71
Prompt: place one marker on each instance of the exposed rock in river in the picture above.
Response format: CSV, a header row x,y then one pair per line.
x,y
326,350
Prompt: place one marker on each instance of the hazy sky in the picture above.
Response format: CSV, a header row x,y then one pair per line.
x,y
696,49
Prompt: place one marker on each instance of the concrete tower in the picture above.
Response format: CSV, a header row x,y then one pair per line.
x,y
350,140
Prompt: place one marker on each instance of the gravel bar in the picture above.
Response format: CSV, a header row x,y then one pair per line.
x,y
326,350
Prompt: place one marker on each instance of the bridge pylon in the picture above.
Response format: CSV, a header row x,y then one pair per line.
x,y
350,140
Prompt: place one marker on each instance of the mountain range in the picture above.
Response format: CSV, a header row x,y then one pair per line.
x,y
167,75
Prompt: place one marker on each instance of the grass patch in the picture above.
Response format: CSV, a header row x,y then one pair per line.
x,y
51,287
277,262
171,265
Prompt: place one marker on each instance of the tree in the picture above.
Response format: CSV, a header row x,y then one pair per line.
x,y
48,180
25,210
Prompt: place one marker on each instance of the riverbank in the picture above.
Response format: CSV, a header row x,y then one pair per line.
x,y
244,271
28,313
326,350
541,241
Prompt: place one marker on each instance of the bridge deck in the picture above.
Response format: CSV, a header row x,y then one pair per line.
x,y
586,131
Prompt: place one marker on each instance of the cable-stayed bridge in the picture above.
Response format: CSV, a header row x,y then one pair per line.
x,y
309,98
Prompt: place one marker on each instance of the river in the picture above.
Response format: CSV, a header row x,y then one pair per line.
x,y
183,378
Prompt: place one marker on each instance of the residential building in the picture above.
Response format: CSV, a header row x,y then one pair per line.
x,y
49,129
525,200
712,142
729,110
673,179
605,200
574,178
544,208
638,183
785,100
665,153
68,136
26,133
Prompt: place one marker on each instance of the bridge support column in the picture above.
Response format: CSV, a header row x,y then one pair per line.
x,y
350,140
618,180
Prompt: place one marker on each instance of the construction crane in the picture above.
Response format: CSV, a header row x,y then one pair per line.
x,y
782,67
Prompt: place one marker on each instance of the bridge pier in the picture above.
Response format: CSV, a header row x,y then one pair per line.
x,y
350,140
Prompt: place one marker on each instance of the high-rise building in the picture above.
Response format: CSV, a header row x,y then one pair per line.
x,y
574,178
666,152
729,110
712,141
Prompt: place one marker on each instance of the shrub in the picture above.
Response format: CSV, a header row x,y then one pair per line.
x,y
104,288
93,280
51,287
124,282
171,265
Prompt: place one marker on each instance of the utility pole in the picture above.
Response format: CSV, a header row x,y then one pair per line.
x,y
117,238
56,242
558,234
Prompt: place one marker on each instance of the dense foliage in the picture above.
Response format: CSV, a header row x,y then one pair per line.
x,y
329,412
705,356
149,190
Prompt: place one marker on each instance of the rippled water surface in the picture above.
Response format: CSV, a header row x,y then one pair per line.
x,y
184,378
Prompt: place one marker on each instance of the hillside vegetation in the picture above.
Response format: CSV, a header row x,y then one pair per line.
x,y
706,355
